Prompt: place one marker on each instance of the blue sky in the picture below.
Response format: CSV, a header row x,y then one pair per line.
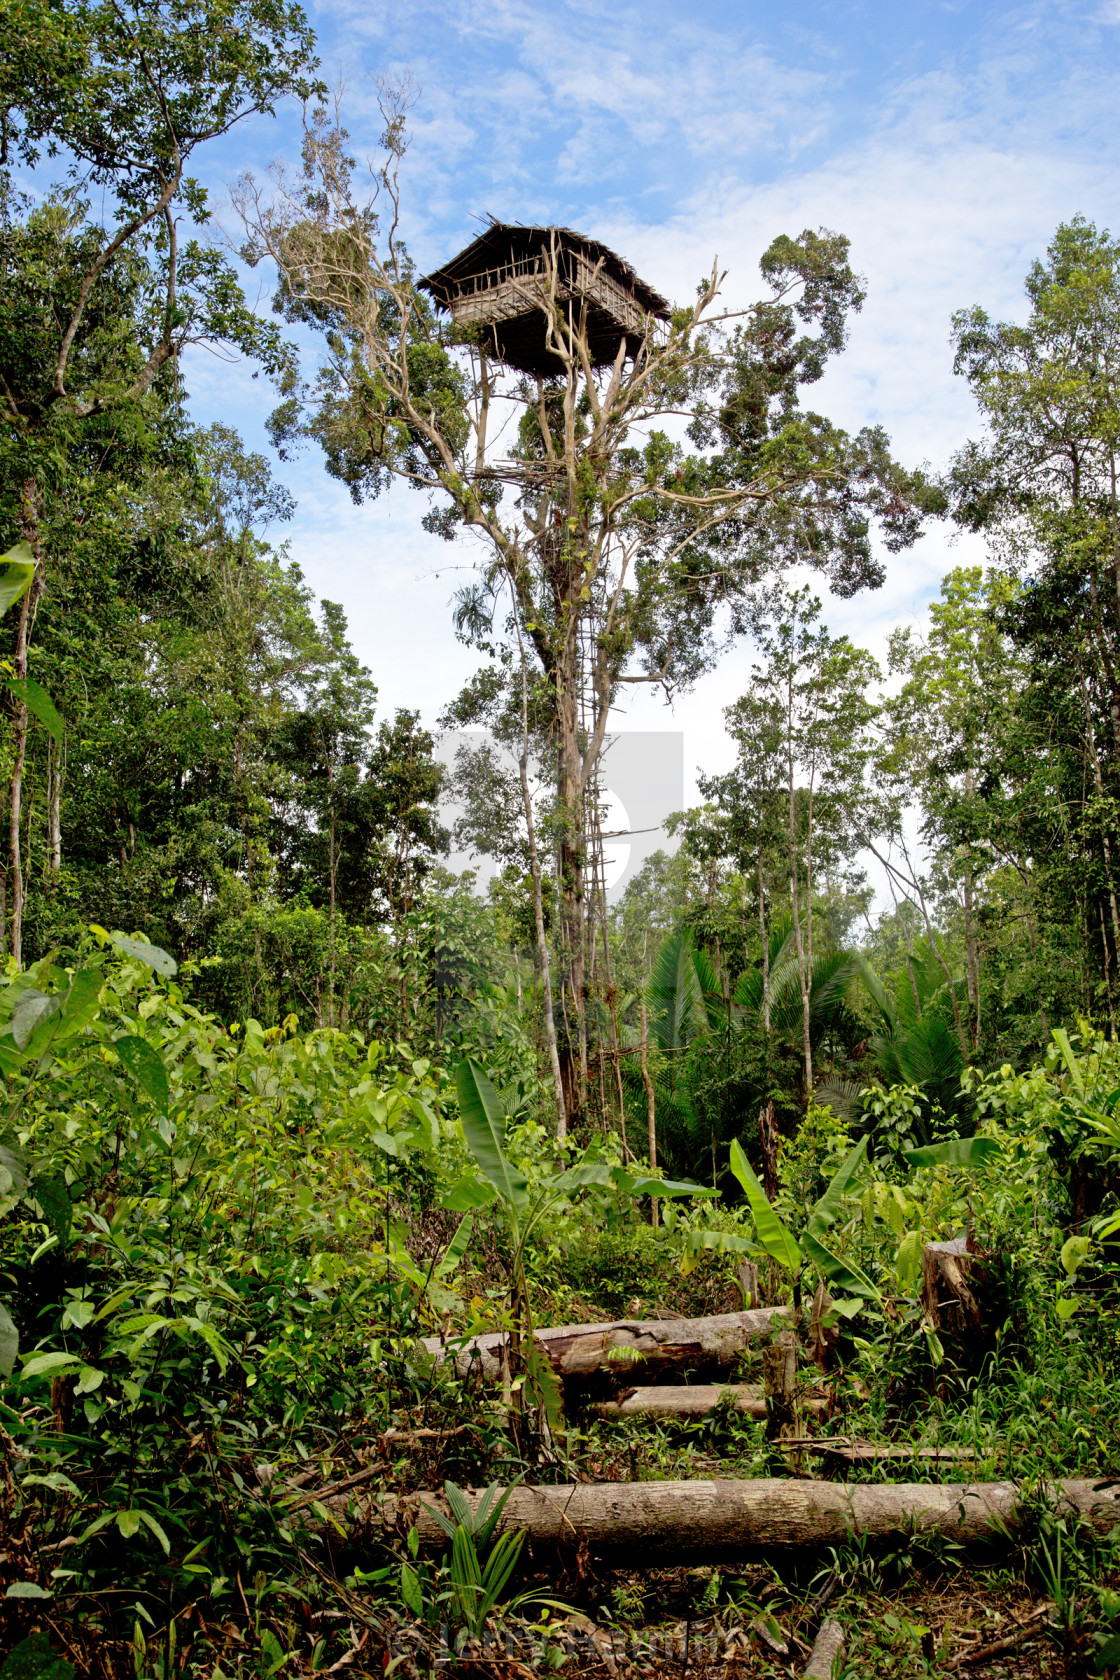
x,y
946,140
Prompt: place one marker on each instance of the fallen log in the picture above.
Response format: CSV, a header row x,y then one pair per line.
x,y
870,1452
725,1519
582,1350
694,1400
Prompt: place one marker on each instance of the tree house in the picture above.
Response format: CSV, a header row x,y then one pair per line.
x,y
501,283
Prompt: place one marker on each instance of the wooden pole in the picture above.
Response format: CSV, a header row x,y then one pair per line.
x,y
651,1106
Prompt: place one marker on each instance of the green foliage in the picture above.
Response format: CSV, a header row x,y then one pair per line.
x,y
15,580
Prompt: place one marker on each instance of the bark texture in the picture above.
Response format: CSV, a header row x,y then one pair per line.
x,y
827,1647
651,1345
694,1401
949,1272
779,1377
717,1520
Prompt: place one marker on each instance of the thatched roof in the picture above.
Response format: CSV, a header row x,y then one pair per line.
x,y
506,243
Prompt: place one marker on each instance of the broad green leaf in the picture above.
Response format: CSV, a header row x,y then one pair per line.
x,y
17,568
80,1004
1107,1124
411,1591
645,1185
9,1342
468,1193
144,1065
828,1208
14,1163
164,965
583,1174
38,703
722,1242
779,1243
51,1193
544,1386
484,1131
908,1264
89,1380
1061,1039
842,1273
428,1122
150,1522
32,1008
48,1364
955,1152
55,1480
128,1522
457,1247
1074,1250
26,1589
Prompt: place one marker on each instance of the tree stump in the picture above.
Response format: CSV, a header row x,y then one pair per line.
x,y
954,1279
823,1338
747,1273
779,1381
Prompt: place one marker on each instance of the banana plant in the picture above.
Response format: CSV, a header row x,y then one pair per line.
x,y
779,1242
502,1183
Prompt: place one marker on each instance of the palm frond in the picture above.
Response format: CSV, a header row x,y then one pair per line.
x,y
676,993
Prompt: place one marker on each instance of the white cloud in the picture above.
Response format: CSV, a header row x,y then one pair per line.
x,y
949,175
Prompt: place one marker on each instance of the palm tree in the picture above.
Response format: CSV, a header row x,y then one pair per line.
x,y
917,1043
714,1063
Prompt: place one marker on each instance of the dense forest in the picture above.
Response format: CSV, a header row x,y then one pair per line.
x,y
400,1276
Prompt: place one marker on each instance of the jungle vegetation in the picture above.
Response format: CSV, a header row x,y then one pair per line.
x,y
283,1095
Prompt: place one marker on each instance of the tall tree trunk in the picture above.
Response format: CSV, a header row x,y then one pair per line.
x,y
972,964
764,936
543,956
334,907
795,908
20,722
651,1104
573,1057
54,806
1106,845
1107,972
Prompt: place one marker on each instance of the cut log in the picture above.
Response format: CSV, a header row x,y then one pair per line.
x,y
870,1452
583,1350
692,1401
826,1649
716,1520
